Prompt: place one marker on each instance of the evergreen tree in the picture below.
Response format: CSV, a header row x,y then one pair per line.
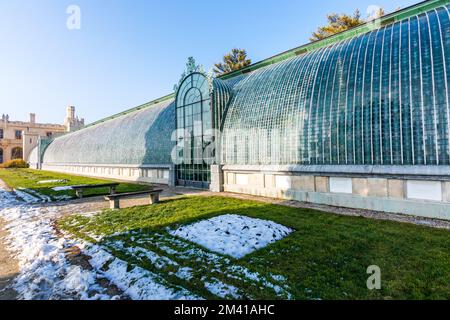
x,y
337,23
232,61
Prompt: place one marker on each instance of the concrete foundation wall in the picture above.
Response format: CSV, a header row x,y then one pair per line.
x,y
369,192
163,174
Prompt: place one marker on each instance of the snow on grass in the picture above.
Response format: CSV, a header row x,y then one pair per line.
x,y
25,196
138,283
158,261
51,181
64,188
209,264
222,290
184,273
43,197
233,235
31,196
45,273
62,198
81,282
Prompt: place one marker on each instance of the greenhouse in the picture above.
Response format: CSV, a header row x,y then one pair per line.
x,y
135,145
360,119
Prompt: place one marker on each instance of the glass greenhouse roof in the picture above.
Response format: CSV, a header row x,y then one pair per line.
x,y
364,28
377,98
141,136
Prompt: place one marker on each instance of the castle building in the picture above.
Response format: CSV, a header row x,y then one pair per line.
x,y
360,119
72,122
19,138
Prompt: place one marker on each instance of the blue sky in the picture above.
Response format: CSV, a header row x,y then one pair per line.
x,y
130,52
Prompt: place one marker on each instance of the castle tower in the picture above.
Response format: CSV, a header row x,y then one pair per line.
x,y
72,122
71,112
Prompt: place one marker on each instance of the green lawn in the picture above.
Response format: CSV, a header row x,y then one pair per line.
x,y
325,258
29,178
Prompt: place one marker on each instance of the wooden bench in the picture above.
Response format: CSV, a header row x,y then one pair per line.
x,y
115,198
79,189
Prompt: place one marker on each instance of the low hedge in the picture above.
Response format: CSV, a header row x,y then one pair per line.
x,y
18,163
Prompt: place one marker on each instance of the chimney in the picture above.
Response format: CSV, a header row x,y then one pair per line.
x,y
32,117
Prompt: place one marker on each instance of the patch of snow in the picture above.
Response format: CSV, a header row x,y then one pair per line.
x,y
62,198
158,261
138,284
79,281
25,196
64,188
51,181
168,250
31,196
233,235
43,197
184,273
222,290
278,277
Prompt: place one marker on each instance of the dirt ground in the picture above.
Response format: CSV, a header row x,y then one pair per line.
x,y
9,267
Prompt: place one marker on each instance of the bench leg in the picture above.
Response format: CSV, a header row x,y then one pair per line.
x,y
154,198
114,204
79,193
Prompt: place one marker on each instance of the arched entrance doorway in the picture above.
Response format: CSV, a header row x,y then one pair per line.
x,y
194,124
16,153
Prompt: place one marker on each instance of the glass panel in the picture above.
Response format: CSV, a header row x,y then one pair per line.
x,y
380,98
194,101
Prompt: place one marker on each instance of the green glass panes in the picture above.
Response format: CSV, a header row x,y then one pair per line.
x,y
194,124
140,137
380,98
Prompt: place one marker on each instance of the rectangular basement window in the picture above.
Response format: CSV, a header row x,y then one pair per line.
x,y
341,185
424,190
